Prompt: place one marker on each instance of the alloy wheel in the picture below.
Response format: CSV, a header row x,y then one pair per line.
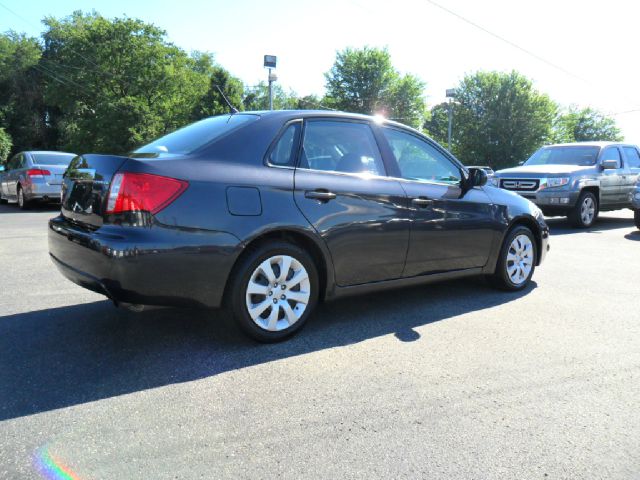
x,y
587,210
520,259
278,293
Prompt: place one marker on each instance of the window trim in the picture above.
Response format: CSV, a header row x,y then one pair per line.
x,y
368,123
277,138
464,173
634,148
604,149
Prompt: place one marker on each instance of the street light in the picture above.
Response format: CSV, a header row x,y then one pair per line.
x,y
451,94
270,62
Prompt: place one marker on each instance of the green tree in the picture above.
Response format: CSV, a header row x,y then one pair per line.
x,y
500,119
212,102
365,81
120,83
587,124
437,123
257,98
5,146
22,107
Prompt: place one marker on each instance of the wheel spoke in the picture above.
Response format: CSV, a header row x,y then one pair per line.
x,y
285,265
267,270
298,277
511,257
300,297
255,288
289,314
273,318
259,309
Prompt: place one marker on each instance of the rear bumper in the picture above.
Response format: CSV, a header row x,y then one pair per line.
x,y
150,266
42,191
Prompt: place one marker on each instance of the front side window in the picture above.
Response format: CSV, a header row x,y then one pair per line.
x,y
633,159
611,153
284,152
346,147
419,160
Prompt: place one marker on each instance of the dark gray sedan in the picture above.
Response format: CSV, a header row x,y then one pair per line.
x,y
32,176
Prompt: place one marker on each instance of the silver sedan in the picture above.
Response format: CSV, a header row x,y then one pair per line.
x,y
33,175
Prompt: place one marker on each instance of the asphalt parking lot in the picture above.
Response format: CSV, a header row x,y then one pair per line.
x,y
445,381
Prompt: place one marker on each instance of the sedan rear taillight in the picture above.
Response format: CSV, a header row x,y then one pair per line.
x,y
135,192
37,173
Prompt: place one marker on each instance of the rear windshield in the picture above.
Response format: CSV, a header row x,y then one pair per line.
x,y
582,156
49,159
194,136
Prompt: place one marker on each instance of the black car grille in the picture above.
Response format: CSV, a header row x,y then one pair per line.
x,y
520,184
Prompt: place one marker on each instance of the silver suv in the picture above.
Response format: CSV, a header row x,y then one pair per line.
x,y
577,180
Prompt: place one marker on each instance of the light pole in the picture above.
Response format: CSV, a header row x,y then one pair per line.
x,y
270,63
451,94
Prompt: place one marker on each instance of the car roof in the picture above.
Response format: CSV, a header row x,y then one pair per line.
x,y
599,144
48,152
291,114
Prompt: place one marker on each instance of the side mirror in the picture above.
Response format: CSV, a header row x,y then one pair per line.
x,y
610,164
477,177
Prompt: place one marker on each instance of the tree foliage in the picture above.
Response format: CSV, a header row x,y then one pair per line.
x,y
499,119
120,82
365,81
587,124
22,107
5,145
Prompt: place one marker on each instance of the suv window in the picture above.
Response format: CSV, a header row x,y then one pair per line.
x,y
419,160
611,153
284,151
336,146
633,158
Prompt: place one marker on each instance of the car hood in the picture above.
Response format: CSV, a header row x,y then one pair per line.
x,y
542,170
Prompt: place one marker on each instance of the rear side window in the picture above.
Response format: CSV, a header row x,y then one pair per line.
x,y
284,152
194,136
346,147
633,159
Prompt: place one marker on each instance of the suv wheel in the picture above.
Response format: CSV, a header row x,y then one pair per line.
x,y
585,213
636,217
23,203
2,199
517,260
273,291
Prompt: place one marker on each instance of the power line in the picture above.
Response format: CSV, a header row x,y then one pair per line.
x,y
509,42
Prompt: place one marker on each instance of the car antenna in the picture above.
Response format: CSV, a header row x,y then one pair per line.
x,y
231,107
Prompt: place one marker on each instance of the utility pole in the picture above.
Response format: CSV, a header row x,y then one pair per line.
x,y
451,93
270,63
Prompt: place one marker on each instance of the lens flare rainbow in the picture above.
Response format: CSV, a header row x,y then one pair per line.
x,y
51,467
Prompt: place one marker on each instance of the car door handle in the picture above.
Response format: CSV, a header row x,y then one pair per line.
x,y
421,202
320,194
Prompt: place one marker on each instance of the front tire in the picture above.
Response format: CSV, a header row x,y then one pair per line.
x,y
585,212
273,291
517,260
636,218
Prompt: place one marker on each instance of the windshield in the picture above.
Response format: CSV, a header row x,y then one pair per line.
x,y
52,159
582,156
194,136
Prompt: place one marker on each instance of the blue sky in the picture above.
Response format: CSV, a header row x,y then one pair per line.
x,y
594,43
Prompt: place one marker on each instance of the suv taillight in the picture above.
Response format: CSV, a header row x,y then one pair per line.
x,y
135,192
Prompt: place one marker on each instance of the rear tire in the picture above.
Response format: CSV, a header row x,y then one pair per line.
x,y
585,212
23,203
267,303
2,199
636,218
517,260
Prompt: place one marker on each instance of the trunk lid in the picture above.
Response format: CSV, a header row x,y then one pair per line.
x,y
55,173
85,188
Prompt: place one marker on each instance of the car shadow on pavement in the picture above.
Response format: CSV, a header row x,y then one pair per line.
x,y
633,236
66,356
36,208
560,226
